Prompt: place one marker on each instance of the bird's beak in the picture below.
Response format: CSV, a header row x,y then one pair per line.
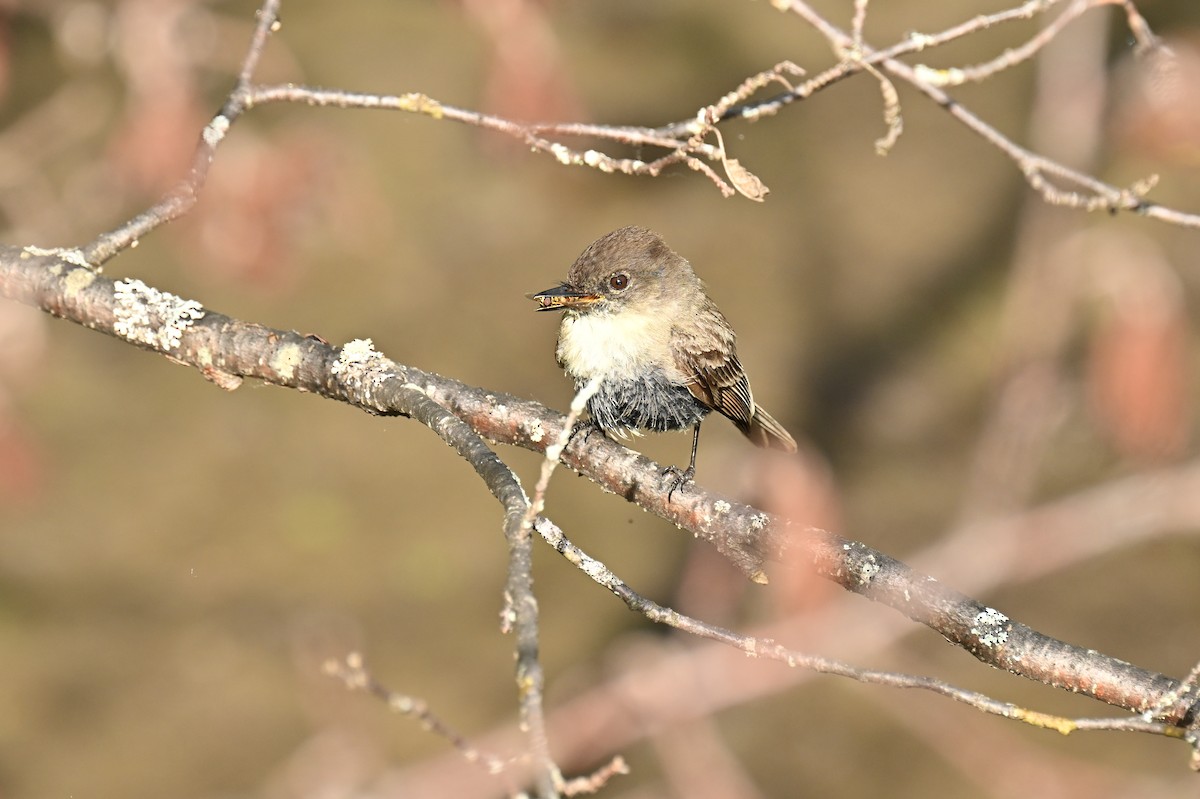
x,y
562,297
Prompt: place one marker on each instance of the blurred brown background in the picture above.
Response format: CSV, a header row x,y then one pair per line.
x,y
176,561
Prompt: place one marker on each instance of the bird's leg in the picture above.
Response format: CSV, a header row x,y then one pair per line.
x,y
691,469
679,480
587,427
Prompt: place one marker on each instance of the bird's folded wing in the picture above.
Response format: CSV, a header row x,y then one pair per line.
x,y
706,356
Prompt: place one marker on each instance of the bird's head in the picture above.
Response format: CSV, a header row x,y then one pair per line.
x,y
629,269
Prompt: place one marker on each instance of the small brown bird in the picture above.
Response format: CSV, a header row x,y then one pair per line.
x,y
638,318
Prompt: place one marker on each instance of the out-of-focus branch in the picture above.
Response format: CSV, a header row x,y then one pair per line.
x,y
353,673
686,142
183,196
1043,282
1057,183
367,373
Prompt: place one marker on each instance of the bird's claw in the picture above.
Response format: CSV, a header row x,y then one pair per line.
x,y
586,427
678,479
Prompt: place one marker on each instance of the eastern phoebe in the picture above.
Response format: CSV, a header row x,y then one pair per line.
x,y
638,318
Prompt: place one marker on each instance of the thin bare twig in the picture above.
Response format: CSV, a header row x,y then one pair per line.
x,y
530,679
684,141
555,450
956,76
353,673
1079,190
182,197
592,783
360,371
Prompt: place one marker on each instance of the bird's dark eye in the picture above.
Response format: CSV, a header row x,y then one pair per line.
x,y
619,281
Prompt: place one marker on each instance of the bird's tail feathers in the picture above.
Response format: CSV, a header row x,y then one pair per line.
x,y
765,432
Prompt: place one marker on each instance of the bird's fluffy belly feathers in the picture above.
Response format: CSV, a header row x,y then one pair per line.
x,y
640,387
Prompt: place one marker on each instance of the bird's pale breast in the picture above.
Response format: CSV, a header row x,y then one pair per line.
x,y
619,346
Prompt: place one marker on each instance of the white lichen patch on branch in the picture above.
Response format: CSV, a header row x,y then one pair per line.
x,y
78,280
597,159
990,627
943,78
286,360
867,571
72,256
147,316
361,368
920,40
562,153
215,131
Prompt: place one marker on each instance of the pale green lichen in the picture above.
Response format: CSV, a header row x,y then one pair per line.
x,y
78,280
157,319
286,360
71,256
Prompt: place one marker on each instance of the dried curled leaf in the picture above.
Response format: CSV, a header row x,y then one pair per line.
x,y
745,181
223,380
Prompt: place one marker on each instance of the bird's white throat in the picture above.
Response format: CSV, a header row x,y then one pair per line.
x,y
613,346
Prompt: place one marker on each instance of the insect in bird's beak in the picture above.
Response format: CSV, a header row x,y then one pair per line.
x,y
562,297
